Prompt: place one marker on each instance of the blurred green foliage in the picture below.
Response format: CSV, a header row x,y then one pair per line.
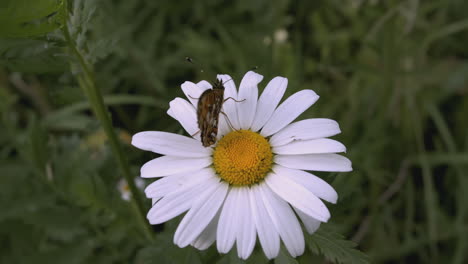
x,y
394,74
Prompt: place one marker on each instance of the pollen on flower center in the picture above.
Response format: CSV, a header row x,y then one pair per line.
x,y
242,157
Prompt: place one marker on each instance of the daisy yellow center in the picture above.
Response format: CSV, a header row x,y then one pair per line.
x,y
242,157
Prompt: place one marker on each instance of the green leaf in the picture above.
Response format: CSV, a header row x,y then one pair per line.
x,y
28,18
284,258
230,258
75,122
32,55
23,207
37,143
168,254
257,257
150,255
71,254
189,255
26,10
335,248
61,223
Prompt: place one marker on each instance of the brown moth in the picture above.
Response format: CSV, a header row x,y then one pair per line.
x,y
208,110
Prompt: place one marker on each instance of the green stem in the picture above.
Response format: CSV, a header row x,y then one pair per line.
x,y
88,84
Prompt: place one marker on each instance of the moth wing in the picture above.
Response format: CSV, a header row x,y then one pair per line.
x,y
208,109
204,115
204,102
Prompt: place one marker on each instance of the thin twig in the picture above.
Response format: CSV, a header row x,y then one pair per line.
x,y
32,90
389,193
87,82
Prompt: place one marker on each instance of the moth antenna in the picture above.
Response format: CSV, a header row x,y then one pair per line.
x,y
227,81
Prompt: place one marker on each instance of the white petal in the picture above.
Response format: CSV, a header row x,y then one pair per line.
x,y
192,92
184,112
298,196
248,94
202,212
171,113
230,106
173,204
313,146
315,162
180,200
204,85
268,101
267,234
289,110
227,226
284,220
223,127
177,182
165,185
247,234
306,129
140,183
208,236
170,144
314,184
167,165
311,224
229,88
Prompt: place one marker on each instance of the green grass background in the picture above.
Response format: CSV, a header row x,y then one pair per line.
x,y
394,74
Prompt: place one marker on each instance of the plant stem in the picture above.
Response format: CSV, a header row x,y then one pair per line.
x,y
88,84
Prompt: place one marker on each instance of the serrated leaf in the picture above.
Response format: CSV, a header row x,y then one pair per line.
x,y
61,223
150,255
284,258
230,258
74,122
335,247
257,257
19,11
188,255
37,144
71,254
28,18
23,206
32,55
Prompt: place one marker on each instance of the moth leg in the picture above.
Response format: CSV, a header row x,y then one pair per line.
x,y
193,97
196,133
229,121
233,99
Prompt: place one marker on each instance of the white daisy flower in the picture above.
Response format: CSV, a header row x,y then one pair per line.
x,y
253,181
124,189
281,35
